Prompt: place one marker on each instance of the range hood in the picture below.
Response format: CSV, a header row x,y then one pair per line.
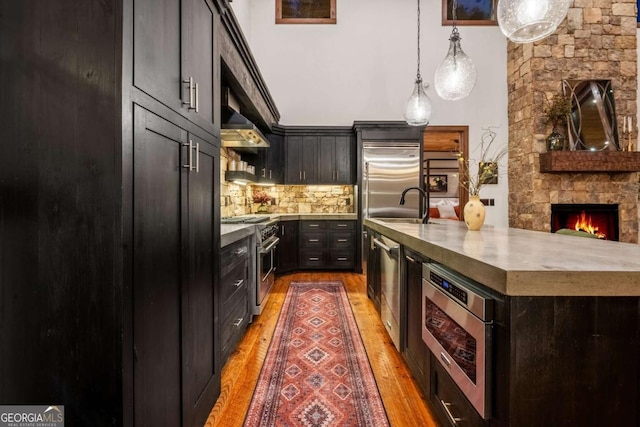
x,y
240,133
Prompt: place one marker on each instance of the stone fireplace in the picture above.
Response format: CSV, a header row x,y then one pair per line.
x,y
592,43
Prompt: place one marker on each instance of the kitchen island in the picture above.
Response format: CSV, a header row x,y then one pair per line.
x,y
564,340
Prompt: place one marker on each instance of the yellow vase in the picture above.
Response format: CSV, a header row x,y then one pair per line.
x,y
474,213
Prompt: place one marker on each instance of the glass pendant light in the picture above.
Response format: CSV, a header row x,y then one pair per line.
x,y
524,21
456,76
418,109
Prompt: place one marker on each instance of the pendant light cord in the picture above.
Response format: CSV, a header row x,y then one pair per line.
x,y
418,77
455,35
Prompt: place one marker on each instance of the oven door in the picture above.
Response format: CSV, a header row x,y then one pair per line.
x,y
266,269
461,342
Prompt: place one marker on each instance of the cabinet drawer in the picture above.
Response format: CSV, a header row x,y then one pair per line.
x,y
342,225
340,259
341,240
313,240
312,259
449,401
234,281
234,254
235,321
312,225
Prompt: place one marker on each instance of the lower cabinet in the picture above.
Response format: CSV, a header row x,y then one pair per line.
x,y
451,406
415,351
234,299
287,250
373,270
328,244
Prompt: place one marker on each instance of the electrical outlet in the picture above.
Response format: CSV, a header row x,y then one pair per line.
x,y
348,201
273,202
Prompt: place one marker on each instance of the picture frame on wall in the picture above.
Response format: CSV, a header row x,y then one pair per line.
x,y
471,12
438,184
306,11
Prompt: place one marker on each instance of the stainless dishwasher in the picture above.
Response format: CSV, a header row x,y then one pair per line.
x,y
390,286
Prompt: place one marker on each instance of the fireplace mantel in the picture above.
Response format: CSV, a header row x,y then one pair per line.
x,y
589,161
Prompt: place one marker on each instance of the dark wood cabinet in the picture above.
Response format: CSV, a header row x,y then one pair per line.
x,y
336,158
269,162
287,250
301,159
327,244
415,352
374,286
173,56
319,155
174,336
106,235
234,297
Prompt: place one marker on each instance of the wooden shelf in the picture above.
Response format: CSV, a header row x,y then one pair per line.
x,y
242,177
590,161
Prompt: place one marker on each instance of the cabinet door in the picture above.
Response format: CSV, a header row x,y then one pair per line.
x,y
287,255
200,379
415,351
293,152
156,50
327,160
197,62
344,158
274,168
158,188
310,160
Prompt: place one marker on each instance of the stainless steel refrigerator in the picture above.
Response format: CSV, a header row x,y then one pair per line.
x,y
387,169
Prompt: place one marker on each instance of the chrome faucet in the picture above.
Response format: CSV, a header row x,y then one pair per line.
x,y
425,196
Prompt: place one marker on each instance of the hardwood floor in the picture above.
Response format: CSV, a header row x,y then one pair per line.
x,y
402,399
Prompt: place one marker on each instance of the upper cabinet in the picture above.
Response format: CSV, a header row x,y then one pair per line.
x,y
173,59
319,156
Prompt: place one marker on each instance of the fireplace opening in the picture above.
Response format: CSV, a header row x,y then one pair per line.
x,y
600,220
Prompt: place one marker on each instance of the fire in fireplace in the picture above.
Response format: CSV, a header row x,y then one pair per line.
x,y
598,219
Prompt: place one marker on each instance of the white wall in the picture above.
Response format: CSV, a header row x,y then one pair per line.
x,y
363,68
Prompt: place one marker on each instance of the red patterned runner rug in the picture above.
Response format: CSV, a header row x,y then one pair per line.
x,y
316,372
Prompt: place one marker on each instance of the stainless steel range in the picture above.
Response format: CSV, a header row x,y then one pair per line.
x,y
266,243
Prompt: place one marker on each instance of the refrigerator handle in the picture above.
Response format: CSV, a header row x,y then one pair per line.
x,y
366,189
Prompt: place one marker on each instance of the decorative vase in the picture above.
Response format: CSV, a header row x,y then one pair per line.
x,y
474,213
263,208
555,140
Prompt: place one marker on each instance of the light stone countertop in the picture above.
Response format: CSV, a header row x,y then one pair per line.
x,y
230,233
309,216
522,262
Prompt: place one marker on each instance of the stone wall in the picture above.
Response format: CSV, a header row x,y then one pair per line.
x,y
596,41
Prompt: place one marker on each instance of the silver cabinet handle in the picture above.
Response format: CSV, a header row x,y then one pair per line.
x,y
238,283
446,406
240,251
313,258
283,228
342,240
238,322
337,175
269,173
341,225
314,225
196,107
446,360
342,258
300,173
304,175
410,259
191,103
190,164
197,157
264,172
314,240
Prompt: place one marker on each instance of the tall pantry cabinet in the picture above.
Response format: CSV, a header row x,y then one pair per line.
x,y
109,209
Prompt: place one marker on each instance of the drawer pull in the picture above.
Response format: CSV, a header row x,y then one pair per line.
x,y
240,251
314,258
445,360
341,225
238,322
446,407
314,240
342,258
343,240
314,225
238,283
